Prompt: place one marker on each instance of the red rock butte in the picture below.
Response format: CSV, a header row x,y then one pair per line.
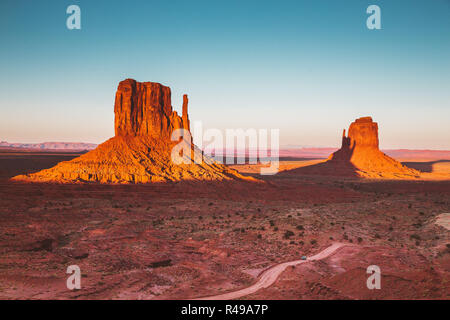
x,y
145,109
360,156
140,151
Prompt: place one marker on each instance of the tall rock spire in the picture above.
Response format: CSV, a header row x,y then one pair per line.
x,y
185,117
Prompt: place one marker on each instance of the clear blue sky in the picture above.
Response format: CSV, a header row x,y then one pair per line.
x,y
308,68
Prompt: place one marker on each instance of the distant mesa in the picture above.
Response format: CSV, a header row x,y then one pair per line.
x,y
360,156
66,146
140,151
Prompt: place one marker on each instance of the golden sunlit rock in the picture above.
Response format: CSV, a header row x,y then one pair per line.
x,y
140,152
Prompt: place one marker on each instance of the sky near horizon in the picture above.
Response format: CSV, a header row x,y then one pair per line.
x,y
308,68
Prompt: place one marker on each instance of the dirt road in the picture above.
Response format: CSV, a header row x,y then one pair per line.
x,y
269,276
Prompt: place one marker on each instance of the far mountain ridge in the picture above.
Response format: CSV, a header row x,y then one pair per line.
x,y
50,145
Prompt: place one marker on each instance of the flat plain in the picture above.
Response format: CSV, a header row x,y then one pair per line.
x,y
189,240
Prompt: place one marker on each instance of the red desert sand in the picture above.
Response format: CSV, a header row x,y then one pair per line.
x,y
211,236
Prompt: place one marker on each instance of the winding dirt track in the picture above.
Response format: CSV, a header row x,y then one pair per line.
x,y
269,276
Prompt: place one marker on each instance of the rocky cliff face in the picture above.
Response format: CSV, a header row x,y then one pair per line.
x,y
145,109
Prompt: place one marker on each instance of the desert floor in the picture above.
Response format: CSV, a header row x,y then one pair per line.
x,y
190,240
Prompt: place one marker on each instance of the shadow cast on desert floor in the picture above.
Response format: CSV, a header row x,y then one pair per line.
x,y
13,163
429,166
339,164
330,168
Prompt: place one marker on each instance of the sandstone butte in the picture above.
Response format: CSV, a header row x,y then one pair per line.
x,y
360,156
140,151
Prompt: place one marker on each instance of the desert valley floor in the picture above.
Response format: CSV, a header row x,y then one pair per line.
x,y
189,240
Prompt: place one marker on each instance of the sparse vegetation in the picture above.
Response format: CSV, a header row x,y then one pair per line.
x,y
415,236
288,234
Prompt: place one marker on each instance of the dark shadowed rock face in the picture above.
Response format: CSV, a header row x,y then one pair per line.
x,y
145,109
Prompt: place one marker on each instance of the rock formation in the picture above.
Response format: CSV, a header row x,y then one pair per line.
x,y
361,150
140,151
144,109
360,156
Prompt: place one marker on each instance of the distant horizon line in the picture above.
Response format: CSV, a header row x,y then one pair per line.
x,y
21,145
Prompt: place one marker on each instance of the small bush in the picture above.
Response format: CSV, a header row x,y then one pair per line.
x,y
288,234
415,236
